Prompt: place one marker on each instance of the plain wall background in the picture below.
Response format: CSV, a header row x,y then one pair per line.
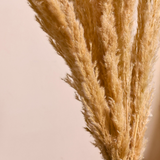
x,y
39,117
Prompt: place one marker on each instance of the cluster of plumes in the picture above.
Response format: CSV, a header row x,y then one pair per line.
x,y
111,67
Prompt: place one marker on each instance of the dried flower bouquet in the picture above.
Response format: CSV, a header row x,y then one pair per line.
x,y
111,62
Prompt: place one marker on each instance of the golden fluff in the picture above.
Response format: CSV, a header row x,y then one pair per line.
x,y
111,68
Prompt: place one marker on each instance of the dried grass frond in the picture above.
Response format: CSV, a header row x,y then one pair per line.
x,y
111,70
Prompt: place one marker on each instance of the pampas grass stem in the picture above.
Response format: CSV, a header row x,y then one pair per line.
x,y
111,68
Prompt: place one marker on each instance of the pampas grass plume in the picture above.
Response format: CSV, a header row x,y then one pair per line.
x,y
111,68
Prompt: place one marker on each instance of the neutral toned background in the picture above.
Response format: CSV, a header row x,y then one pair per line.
x,y
39,117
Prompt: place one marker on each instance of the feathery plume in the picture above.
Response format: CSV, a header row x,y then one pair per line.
x,y
111,70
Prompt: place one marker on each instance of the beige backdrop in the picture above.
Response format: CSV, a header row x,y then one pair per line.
x,y
39,117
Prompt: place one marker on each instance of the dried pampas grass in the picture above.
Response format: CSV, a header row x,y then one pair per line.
x,y
111,66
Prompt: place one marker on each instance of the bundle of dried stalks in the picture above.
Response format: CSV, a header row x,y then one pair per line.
x,y
111,67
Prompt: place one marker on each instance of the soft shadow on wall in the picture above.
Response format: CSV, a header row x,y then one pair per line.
x,y
153,132
154,151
